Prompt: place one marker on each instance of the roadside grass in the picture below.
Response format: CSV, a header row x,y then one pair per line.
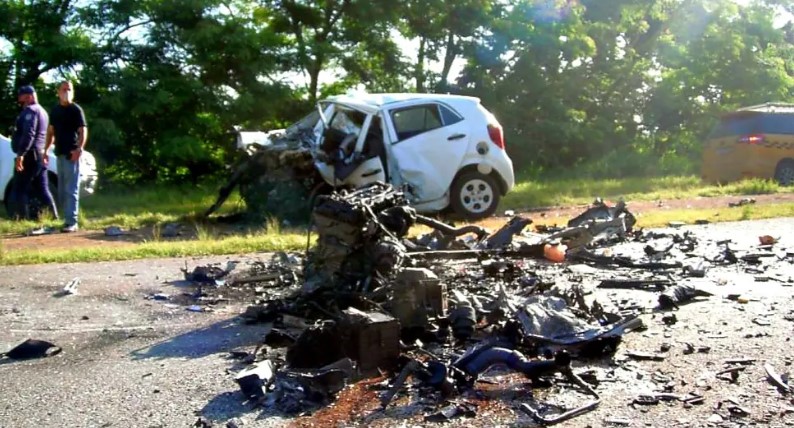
x,y
714,215
576,191
133,208
151,208
249,243
295,240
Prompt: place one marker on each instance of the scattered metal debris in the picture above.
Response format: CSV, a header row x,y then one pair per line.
x,y
742,202
441,311
209,274
68,289
780,381
113,231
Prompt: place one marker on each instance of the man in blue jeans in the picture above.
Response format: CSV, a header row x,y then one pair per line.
x,y
69,132
30,170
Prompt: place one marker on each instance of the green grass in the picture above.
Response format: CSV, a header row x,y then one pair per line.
x,y
131,208
575,191
153,207
714,215
250,243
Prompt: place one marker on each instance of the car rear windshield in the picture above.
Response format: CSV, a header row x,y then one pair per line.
x,y
753,123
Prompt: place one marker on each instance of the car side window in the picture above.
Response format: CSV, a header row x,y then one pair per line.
x,y
449,116
413,121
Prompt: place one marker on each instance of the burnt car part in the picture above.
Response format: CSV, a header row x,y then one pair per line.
x,y
562,417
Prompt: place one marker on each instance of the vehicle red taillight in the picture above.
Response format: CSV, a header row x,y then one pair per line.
x,y
497,135
752,139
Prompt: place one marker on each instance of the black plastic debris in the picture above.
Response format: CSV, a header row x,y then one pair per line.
x,y
453,411
599,210
636,284
278,338
504,236
209,274
32,348
680,295
202,422
294,391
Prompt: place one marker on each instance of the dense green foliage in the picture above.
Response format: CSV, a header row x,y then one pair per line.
x,y
622,87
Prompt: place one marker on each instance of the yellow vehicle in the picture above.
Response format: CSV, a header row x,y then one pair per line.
x,y
755,141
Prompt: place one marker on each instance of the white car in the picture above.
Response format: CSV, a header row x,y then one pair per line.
x,y
446,151
88,172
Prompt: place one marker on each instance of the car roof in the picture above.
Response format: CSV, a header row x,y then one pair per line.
x,y
371,103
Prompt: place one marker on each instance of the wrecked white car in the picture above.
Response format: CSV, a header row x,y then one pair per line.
x,y
444,151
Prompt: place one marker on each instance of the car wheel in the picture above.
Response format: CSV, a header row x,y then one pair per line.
x,y
784,173
474,196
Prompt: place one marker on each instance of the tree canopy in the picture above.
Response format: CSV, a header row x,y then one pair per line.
x,y
621,87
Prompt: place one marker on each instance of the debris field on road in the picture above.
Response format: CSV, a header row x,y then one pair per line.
x,y
431,323
374,326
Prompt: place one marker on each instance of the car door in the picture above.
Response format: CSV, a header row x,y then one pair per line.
x,y
429,143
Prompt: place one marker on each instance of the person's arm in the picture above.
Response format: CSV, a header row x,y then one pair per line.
x,y
28,133
50,138
82,136
47,143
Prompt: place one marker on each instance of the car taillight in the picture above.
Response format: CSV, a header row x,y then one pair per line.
x,y
752,139
497,135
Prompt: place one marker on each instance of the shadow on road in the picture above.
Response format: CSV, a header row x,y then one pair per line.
x,y
225,406
222,336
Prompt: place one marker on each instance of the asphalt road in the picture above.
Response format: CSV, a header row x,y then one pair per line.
x,y
132,362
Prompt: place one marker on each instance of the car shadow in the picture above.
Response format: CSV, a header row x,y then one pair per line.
x,y
222,336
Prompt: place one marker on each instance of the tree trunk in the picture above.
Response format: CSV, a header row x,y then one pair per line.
x,y
314,77
449,58
419,72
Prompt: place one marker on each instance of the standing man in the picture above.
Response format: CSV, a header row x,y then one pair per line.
x,y
30,165
69,131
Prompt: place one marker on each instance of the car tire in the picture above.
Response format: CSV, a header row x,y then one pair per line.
x,y
474,196
784,173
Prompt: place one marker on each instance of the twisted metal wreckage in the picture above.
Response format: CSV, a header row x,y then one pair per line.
x,y
446,306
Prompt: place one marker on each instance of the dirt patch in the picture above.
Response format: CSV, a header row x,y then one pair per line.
x,y
545,215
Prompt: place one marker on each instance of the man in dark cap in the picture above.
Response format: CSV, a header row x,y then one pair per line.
x,y
30,171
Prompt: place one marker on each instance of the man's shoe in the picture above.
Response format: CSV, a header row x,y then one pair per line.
x,y
70,229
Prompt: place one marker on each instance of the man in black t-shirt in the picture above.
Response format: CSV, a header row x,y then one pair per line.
x,y
69,132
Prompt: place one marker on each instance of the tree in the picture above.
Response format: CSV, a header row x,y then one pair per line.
x,y
442,30
327,35
41,36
